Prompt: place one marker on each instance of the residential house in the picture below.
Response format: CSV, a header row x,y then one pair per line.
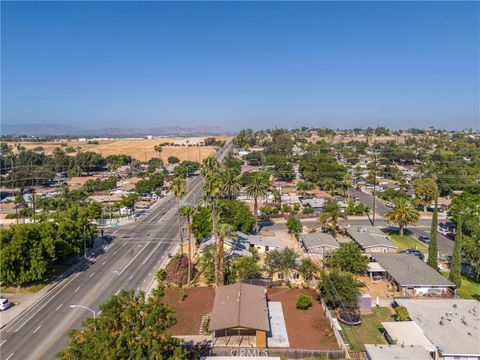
x,y
397,352
315,203
262,243
408,333
318,243
371,239
452,325
413,277
240,310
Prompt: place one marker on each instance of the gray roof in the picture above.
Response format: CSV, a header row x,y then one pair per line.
x,y
397,352
314,202
408,270
452,325
234,247
260,240
319,240
407,333
369,236
240,305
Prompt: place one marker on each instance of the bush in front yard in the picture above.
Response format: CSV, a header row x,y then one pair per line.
x,y
303,302
401,314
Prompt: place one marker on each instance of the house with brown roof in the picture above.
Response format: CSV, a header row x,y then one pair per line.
x,y
240,315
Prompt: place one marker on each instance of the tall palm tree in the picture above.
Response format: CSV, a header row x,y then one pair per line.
x,y
258,188
403,213
225,231
178,187
158,149
305,186
231,183
330,215
347,182
330,185
212,189
187,212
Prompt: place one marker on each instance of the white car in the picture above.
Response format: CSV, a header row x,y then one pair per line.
x,y
389,205
4,304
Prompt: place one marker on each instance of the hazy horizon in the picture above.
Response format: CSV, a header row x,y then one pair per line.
x,y
98,65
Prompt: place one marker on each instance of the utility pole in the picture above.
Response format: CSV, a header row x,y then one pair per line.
x,y
374,188
84,243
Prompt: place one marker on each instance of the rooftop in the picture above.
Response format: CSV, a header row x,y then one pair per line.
x,y
261,240
318,239
369,236
240,305
408,270
407,333
396,352
452,325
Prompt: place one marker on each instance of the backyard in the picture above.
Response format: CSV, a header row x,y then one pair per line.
x,y
470,289
307,329
369,332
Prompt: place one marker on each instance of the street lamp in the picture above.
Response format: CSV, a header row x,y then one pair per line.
x,y
84,307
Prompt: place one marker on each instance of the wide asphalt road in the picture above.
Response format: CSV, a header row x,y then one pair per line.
x,y
130,261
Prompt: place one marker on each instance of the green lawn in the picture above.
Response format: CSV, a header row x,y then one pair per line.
x,y
369,332
408,242
468,289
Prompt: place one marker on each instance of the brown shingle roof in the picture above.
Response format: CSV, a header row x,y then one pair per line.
x,y
239,305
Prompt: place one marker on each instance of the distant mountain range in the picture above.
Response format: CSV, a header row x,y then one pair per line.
x,y
64,130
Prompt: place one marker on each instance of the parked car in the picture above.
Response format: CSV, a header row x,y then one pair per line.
x,y
425,239
389,204
4,304
414,252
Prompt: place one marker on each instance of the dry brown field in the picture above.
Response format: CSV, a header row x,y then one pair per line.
x,y
140,149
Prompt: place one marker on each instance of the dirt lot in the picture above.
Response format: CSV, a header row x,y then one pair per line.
x,y
189,312
306,329
140,149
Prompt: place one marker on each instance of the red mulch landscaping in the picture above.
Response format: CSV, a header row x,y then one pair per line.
x,y
307,329
189,312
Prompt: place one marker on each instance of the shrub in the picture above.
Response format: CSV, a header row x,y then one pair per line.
x,y
177,270
303,302
401,314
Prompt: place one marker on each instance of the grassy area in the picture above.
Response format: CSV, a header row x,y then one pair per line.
x,y
35,286
369,332
408,242
468,289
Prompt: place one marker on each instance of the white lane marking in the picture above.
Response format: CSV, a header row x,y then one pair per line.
x,y
3,342
118,291
58,308
9,356
38,328
148,257
130,278
103,263
143,248
76,289
143,280
36,312
91,275
123,245
116,251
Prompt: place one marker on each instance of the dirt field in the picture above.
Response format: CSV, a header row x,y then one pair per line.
x,y
189,312
306,329
140,149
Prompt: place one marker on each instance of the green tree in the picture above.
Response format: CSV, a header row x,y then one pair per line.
x,y
225,231
331,213
308,269
178,187
187,212
425,191
258,188
243,268
294,227
281,261
432,247
305,186
455,275
158,150
403,214
347,183
231,183
131,326
173,160
348,257
339,289
471,253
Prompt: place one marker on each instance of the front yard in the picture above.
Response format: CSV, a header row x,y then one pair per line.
x,y
408,242
370,331
470,289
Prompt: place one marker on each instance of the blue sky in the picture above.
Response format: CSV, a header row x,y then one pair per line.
x,y
335,64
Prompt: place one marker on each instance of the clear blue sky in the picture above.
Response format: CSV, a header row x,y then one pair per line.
x,y
343,64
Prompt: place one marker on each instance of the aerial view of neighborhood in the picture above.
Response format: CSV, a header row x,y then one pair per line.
x,y
223,180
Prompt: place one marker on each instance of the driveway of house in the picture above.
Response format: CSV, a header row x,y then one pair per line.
x,y
277,336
